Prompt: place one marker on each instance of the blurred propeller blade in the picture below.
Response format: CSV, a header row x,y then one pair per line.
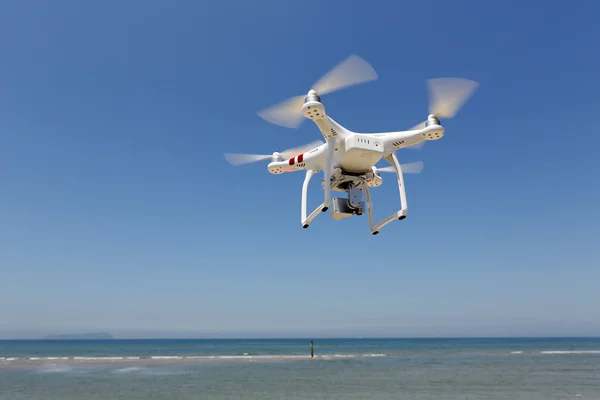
x,y
410,168
352,71
287,113
239,159
420,125
301,149
448,95
417,146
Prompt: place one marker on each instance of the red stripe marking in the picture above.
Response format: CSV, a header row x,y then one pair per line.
x,y
301,157
291,161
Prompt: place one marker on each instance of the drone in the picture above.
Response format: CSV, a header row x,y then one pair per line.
x,y
348,159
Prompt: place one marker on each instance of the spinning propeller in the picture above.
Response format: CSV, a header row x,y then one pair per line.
x,y
239,159
412,168
352,71
446,97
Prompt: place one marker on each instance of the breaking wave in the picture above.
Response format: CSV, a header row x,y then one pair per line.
x,y
172,358
91,360
551,352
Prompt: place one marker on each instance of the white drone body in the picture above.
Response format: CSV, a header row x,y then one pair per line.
x,y
348,159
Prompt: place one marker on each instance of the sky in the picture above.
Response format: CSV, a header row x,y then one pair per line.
x,y
119,213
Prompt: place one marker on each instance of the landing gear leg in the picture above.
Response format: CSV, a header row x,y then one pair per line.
x,y
399,215
327,174
370,210
306,221
403,203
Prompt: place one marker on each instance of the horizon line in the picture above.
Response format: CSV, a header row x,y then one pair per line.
x,y
305,338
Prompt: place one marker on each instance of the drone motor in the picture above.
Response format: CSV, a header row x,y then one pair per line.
x,y
276,157
312,96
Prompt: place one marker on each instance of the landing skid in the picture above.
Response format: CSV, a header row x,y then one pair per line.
x,y
353,185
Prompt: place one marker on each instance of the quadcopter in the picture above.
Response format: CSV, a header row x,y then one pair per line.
x,y
348,158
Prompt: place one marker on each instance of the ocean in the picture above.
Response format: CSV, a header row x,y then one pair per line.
x,y
524,368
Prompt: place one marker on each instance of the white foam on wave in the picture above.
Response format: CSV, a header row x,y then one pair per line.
x,y
55,368
570,352
266,356
167,358
128,369
557,352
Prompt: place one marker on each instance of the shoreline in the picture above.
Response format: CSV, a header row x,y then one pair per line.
x,y
9,362
15,361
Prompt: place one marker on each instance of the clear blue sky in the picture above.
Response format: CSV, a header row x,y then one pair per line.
x,y
118,211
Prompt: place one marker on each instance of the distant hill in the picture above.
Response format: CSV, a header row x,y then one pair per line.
x,y
81,336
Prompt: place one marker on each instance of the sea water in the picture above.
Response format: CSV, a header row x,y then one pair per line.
x,y
530,368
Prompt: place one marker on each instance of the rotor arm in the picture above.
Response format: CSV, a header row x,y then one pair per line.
x,y
397,140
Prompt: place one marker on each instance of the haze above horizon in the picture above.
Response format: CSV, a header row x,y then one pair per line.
x,y
119,212
101,336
